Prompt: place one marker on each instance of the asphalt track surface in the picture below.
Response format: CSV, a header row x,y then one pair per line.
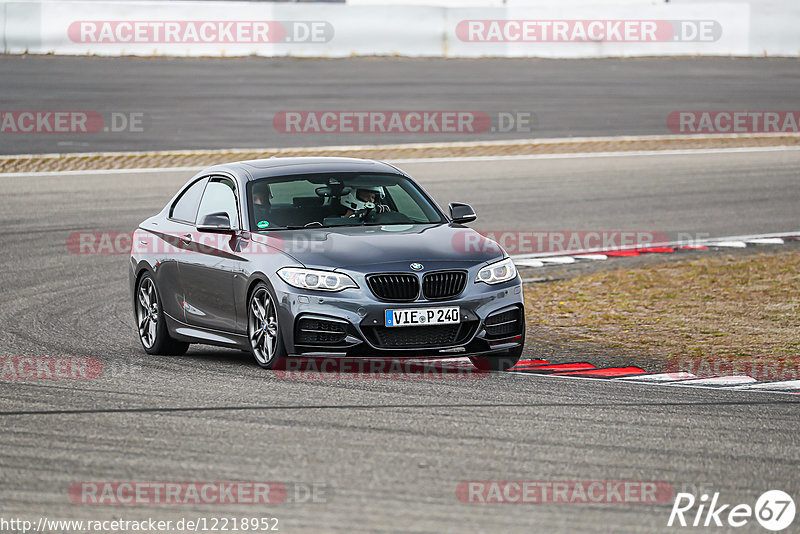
x,y
389,453
221,103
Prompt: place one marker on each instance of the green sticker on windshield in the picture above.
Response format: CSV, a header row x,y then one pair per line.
x,y
263,224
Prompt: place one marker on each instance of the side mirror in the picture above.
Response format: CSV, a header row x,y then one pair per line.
x,y
215,222
462,213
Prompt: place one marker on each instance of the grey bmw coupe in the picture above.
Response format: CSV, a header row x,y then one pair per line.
x,y
322,257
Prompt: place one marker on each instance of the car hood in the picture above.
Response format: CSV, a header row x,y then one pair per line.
x,y
364,248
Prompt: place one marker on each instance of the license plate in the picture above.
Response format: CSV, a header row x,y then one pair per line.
x,y
423,316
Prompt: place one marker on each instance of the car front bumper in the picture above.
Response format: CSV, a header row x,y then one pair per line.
x,y
350,323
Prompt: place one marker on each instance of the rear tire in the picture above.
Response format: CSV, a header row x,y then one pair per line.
x,y
150,321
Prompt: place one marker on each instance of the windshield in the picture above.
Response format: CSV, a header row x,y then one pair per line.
x,y
330,200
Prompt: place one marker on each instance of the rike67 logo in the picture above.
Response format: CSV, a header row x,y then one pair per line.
x,y
774,510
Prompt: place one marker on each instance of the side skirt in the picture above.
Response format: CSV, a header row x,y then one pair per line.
x,y
194,334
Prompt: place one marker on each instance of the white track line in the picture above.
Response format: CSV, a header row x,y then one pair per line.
x,y
529,263
100,171
652,384
660,377
576,155
727,244
766,241
732,380
708,242
557,259
793,385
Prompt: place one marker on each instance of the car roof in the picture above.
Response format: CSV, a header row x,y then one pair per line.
x,y
265,168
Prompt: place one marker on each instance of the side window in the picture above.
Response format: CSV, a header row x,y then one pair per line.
x,y
219,196
185,208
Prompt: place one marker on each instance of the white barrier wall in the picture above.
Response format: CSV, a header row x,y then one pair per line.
x,y
580,29
773,26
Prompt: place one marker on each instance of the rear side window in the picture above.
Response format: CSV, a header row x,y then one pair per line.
x,y
185,208
219,196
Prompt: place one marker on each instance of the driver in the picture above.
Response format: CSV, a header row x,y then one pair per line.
x,y
363,200
261,201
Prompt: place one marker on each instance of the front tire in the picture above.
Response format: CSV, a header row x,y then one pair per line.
x,y
501,362
150,321
263,331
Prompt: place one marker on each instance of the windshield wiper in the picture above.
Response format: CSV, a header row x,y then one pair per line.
x,y
395,223
290,227
350,225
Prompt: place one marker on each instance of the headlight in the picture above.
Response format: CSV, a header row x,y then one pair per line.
x,y
313,279
501,271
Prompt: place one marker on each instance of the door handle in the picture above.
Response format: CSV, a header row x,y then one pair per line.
x,y
187,238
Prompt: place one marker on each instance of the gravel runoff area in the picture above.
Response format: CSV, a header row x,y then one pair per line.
x,y
202,158
740,307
